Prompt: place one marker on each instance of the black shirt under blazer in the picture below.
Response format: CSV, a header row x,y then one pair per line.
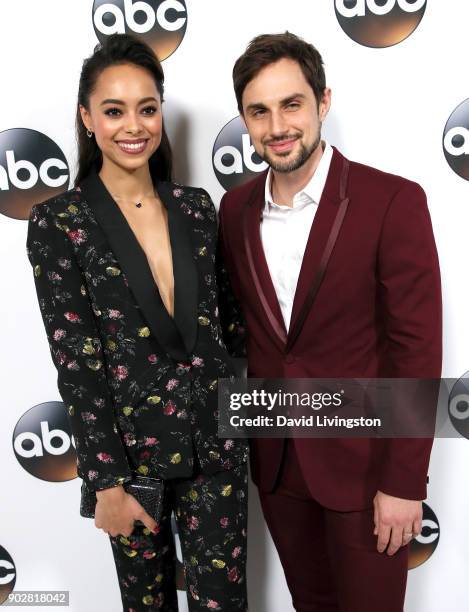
x,y
140,387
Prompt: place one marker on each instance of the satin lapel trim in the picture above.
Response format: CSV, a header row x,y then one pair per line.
x,y
258,264
134,264
324,231
186,286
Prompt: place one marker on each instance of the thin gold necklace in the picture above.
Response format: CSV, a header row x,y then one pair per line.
x,y
138,203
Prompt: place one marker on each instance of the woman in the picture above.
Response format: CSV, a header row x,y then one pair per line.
x,y
124,272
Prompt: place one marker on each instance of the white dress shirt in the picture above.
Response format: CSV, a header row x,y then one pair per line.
x,y
285,231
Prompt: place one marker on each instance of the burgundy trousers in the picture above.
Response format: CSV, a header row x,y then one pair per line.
x,y
329,558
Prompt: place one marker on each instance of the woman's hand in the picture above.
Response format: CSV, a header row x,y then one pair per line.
x,y
116,511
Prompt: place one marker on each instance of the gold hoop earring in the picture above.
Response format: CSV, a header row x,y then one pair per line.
x,y
89,133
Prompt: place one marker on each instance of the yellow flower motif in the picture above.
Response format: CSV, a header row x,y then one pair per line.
x,y
112,271
176,458
72,209
218,563
148,600
231,327
64,228
227,490
127,410
153,399
159,578
194,560
37,270
124,541
111,345
63,215
71,410
203,251
130,553
214,455
142,469
94,364
88,347
144,332
204,321
146,531
193,495
213,385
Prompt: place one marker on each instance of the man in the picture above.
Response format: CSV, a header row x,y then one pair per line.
x,y
335,268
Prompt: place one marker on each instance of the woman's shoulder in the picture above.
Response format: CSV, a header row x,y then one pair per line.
x,y
192,200
57,205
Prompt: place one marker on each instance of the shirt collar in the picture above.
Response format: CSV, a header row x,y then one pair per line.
x,y
312,192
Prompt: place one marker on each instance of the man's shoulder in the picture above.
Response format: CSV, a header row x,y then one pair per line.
x,y
240,194
374,180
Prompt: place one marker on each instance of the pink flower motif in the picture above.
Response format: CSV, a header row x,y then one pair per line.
x,y
193,592
99,402
88,416
150,441
236,552
152,358
212,604
177,193
233,574
120,372
172,384
53,276
193,523
148,554
61,357
114,314
182,414
73,365
92,474
228,444
129,439
144,455
72,317
224,521
198,361
77,236
170,408
59,334
105,457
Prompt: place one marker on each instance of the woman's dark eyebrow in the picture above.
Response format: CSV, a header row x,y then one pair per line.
x,y
121,103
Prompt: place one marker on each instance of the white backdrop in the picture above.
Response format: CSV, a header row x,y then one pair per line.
x,y
389,110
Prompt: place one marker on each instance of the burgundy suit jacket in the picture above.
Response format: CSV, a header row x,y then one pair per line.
x,y
377,314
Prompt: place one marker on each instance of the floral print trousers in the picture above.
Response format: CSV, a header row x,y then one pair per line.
x,y
211,516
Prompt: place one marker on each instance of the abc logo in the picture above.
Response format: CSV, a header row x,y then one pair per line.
x,y
424,545
379,23
32,169
43,444
7,574
456,140
160,23
234,158
458,405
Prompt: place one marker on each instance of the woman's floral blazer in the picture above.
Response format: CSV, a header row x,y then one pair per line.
x,y
140,387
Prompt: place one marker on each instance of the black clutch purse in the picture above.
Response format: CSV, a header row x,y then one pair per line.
x,y
147,491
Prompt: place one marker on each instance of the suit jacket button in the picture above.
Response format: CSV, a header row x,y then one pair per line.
x,y
289,359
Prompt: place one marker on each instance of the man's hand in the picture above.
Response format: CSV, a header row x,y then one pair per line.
x,y
397,521
116,511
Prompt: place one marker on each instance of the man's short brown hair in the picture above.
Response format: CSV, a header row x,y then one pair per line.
x,y
270,48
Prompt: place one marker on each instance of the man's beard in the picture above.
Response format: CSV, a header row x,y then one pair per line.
x,y
295,163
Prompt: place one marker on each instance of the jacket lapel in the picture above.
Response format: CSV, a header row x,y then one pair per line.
x,y
325,227
257,263
134,264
